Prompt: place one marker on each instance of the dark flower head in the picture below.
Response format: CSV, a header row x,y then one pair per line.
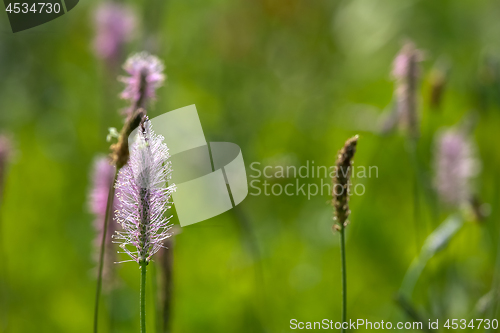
x,y
341,181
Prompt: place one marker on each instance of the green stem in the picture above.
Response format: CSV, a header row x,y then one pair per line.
x,y
421,178
416,215
344,279
142,301
109,205
4,273
167,285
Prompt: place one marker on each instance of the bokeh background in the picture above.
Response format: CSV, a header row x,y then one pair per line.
x,y
288,81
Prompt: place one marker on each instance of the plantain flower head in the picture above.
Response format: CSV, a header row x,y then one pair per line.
x,y
455,166
5,155
340,191
5,150
144,196
146,75
406,72
114,24
103,173
102,177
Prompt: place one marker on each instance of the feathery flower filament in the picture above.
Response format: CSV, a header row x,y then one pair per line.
x,y
144,197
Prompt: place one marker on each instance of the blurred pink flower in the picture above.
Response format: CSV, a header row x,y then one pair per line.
x,y
5,149
406,72
102,177
146,75
5,153
114,24
455,166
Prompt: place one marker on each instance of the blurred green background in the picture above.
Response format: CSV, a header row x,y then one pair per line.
x,y
286,80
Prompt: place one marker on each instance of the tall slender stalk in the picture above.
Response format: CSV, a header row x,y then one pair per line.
x,y
120,155
165,279
142,301
109,206
416,215
143,203
4,285
340,200
344,275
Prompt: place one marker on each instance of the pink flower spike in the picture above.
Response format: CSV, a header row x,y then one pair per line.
x,y
114,24
146,75
456,165
102,176
144,196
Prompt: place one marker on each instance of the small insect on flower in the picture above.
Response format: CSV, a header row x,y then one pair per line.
x,y
144,196
146,75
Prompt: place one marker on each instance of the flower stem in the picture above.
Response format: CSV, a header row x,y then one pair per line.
x,y
165,304
109,205
142,301
344,279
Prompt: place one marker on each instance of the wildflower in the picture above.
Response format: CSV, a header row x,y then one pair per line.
x,y
102,179
114,26
341,203
341,182
5,152
406,73
144,197
146,75
455,166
